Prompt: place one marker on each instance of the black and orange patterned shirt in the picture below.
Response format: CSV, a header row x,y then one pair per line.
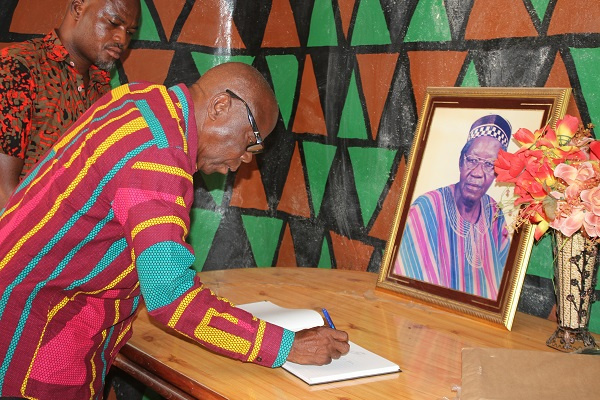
x,y
41,95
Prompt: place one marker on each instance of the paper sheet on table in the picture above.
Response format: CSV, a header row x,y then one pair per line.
x,y
507,374
359,362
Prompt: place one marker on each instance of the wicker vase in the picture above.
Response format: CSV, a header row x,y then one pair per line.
x,y
575,269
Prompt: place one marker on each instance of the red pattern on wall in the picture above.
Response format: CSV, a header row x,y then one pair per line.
x,y
575,16
210,23
281,28
425,71
248,190
309,113
135,65
499,19
294,199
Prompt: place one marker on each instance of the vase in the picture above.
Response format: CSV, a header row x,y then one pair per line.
x,y
575,273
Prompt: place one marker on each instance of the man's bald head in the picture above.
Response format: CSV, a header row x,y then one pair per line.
x,y
244,80
224,131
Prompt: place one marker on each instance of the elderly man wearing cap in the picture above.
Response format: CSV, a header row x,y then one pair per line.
x,y
456,236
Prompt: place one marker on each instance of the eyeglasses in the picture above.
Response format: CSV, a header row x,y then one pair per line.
x,y
472,161
258,146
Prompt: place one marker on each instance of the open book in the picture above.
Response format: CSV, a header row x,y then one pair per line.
x,y
358,363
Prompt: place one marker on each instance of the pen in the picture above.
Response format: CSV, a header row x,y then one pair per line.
x,y
328,319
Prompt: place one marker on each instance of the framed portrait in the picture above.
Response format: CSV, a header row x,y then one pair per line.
x,y
452,241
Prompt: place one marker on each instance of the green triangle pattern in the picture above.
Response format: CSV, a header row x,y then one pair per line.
x,y
284,72
429,23
147,28
322,25
205,61
263,233
471,78
115,79
150,394
586,64
371,166
318,163
540,7
203,227
540,254
370,26
215,184
325,259
595,322
352,122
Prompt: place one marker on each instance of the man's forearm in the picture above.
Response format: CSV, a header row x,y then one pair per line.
x,y
10,171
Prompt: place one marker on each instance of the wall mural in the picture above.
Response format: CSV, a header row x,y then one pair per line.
x,y
350,78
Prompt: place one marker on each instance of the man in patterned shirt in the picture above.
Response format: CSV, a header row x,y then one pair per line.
x,y
47,83
100,223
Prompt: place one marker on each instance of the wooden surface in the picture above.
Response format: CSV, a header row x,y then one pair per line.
x,y
426,342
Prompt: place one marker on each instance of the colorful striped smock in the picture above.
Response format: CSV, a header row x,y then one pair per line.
x,y
438,246
99,224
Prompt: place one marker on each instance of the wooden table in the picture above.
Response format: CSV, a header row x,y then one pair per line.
x,y
425,341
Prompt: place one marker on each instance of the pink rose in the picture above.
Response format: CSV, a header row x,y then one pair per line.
x,y
591,223
591,199
569,224
574,173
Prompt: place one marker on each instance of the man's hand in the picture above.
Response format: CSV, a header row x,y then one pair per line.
x,y
318,346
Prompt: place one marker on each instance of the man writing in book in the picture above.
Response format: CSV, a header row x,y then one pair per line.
x,y
100,225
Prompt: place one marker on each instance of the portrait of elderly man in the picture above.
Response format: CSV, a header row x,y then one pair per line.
x,y
455,236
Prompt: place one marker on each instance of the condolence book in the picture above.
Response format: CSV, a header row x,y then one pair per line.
x,y
358,363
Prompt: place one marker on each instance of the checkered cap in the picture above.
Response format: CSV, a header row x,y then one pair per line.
x,y
491,125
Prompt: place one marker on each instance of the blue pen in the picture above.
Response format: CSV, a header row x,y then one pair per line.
x,y
328,319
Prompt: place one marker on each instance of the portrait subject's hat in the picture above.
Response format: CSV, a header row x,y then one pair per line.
x,y
491,125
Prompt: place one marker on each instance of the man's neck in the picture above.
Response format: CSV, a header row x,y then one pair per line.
x,y
79,63
469,209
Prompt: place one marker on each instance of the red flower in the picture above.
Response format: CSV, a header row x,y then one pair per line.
x,y
595,150
525,138
553,174
566,129
531,186
509,166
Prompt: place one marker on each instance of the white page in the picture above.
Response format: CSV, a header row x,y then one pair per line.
x,y
359,362
293,319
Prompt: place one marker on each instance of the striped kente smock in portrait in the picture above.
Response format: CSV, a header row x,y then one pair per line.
x,y
440,247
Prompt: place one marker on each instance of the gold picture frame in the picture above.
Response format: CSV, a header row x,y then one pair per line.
x,y
447,117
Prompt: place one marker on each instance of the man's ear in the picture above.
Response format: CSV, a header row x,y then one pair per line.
x,y
219,105
76,9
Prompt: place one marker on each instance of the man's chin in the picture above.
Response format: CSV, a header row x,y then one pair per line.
x,y
105,65
472,197
212,169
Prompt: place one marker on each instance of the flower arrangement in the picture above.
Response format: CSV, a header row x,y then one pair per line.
x,y
556,178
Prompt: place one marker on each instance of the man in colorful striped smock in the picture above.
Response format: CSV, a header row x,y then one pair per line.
x,y
100,224
456,236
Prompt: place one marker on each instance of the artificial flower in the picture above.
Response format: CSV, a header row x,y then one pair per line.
x,y
556,178
566,128
569,221
591,199
595,150
591,223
